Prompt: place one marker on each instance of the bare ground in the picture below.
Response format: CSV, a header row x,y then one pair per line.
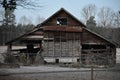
x,y
98,75
58,73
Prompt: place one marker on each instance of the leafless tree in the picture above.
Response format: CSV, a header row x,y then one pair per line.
x,y
88,11
39,19
9,7
1,15
105,16
117,19
24,21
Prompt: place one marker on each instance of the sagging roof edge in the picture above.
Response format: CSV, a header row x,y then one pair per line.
x,y
100,36
25,34
39,25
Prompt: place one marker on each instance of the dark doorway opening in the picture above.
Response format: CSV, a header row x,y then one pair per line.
x,y
78,60
56,60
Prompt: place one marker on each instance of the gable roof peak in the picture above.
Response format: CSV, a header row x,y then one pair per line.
x,y
61,9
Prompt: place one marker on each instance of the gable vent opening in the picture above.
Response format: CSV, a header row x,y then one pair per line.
x,y
61,21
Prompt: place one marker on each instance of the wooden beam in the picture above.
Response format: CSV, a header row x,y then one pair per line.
x,y
9,48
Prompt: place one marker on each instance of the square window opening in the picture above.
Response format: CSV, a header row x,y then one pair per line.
x,y
61,21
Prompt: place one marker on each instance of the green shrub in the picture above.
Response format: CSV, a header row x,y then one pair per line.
x,y
23,59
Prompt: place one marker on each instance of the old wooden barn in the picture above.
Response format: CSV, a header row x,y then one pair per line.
x,y
64,39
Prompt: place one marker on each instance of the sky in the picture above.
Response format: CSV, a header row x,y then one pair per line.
x,y
49,7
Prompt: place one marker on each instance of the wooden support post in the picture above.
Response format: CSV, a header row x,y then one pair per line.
x,y
60,44
74,38
68,51
30,48
9,48
92,73
71,45
81,41
53,45
66,45
27,58
40,45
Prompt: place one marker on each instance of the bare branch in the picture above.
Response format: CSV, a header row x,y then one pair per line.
x,y
32,4
105,16
88,11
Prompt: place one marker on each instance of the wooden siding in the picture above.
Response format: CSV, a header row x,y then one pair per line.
x,y
64,44
53,21
90,38
63,28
